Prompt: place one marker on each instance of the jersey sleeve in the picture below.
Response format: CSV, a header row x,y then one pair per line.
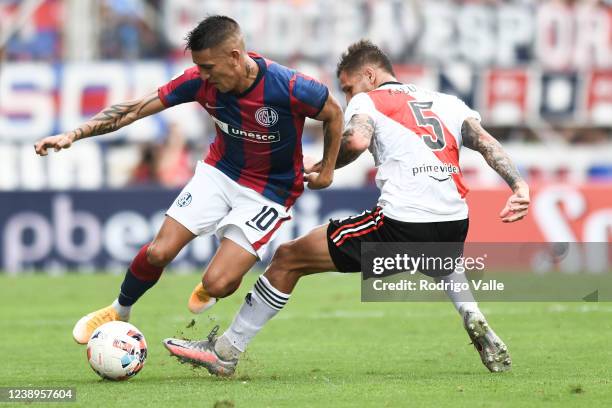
x,y
457,112
465,111
181,89
308,96
359,104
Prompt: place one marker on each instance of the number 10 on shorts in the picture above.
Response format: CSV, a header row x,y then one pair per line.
x,y
264,219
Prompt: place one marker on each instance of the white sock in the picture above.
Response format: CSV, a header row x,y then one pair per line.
x,y
124,311
462,299
260,305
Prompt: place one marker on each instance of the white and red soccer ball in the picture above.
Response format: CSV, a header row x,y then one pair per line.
x,y
117,351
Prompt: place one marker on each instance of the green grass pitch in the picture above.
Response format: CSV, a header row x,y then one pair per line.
x,y
326,349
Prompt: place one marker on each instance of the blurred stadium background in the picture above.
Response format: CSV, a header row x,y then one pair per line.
x,y
540,73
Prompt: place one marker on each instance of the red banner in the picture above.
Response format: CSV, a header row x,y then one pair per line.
x,y
558,213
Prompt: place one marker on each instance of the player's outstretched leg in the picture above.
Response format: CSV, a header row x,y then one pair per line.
x,y
143,274
220,355
271,292
492,350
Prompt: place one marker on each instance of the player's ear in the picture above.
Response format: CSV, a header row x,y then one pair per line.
x,y
370,75
235,56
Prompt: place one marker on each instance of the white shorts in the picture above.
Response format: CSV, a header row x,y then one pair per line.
x,y
212,202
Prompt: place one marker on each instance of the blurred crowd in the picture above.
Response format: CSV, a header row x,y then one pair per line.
x,y
130,30
126,30
169,163
38,37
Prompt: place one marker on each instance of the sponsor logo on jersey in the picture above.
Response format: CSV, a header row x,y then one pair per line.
x,y
438,172
250,135
266,116
440,179
184,200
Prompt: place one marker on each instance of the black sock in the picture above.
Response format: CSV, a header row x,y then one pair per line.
x,y
133,288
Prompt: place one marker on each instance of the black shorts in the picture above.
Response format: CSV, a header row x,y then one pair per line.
x,y
344,237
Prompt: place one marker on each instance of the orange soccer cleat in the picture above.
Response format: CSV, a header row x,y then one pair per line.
x,y
199,300
86,325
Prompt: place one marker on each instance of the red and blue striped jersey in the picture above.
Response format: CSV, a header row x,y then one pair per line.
x,y
258,140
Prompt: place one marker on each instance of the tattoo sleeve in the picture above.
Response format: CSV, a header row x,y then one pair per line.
x,y
355,139
476,138
115,117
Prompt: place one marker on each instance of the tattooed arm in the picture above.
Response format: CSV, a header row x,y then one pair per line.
x,y
110,119
355,140
476,138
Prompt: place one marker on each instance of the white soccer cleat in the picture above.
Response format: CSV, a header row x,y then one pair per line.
x,y
202,353
84,328
199,301
493,352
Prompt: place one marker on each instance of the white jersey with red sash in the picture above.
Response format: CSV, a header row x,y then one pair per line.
x,y
416,143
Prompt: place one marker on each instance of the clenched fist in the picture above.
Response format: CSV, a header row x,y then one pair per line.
x,y
57,142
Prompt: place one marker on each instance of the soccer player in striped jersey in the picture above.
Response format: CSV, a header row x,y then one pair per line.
x,y
415,136
245,187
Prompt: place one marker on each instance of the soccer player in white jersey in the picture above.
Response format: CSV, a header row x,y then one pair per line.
x,y
415,136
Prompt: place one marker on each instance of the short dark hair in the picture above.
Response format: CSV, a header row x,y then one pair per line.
x,y
360,53
210,32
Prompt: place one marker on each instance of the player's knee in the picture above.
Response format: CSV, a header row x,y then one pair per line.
x,y
158,255
219,286
284,255
284,261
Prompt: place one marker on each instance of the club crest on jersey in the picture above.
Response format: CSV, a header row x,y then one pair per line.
x,y
266,116
250,135
184,200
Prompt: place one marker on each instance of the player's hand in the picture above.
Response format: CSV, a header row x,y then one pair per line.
x,y
517,205
311,165
317,180
57,142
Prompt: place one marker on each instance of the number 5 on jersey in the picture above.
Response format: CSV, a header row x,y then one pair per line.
x,y
434,123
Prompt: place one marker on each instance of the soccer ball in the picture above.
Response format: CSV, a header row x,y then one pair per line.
x,y
117,351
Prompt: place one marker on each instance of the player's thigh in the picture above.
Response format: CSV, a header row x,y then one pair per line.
x,y
305,255
170,239
227,267
203,202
